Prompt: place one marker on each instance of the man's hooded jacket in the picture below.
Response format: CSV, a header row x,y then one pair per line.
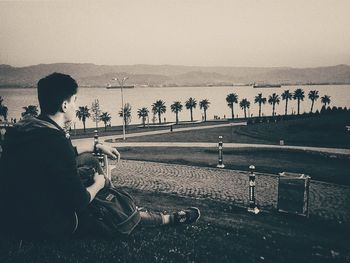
x,y
40,189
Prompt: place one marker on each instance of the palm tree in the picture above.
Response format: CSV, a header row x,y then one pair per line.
x,y
3,109
298,95
231,99
273,99
326,100
204,104
127,113
159,108
313,96
261,100
286,95
83,113
106,118
190,104
244,104
143,113
30,110
176,107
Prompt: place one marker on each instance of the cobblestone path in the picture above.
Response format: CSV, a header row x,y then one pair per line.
x,y
328,201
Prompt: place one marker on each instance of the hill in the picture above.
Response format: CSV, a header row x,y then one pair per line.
x,y
171,75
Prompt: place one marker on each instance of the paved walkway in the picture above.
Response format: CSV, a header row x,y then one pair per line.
x,y
232,146
327,200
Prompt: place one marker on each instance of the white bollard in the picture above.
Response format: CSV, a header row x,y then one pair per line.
x,y
221,157
252,205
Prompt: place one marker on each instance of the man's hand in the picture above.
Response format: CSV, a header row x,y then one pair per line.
x,y
99,180
110,151
96,186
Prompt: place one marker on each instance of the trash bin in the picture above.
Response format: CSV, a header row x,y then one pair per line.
x,y
293,193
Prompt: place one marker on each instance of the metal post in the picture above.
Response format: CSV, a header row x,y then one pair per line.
x,y
121,83
121,90
252,205
220,161
95,140
102,158
98,154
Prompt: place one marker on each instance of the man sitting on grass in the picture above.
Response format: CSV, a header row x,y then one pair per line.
x,y
42,194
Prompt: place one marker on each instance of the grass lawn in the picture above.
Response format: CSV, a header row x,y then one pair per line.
x,y
223,234
135,128
317,130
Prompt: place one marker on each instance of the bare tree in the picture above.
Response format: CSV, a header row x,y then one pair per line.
x,y
96,112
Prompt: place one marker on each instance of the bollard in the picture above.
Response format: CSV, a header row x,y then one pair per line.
x,y
220,161
101,157
97,153
252,205
95,139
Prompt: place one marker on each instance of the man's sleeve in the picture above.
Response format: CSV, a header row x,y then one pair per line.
x,y
65,179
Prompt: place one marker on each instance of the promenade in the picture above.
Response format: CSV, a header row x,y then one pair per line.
x,y
328,201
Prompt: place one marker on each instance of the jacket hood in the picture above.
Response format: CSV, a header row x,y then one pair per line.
x,y
31,123
28,129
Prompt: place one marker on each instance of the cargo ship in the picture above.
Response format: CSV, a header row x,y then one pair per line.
x,y
266,85
119,87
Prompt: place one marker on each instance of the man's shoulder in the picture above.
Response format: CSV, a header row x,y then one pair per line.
x,y
44,136
54,137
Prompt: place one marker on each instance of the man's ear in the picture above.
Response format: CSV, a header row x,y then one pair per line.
x,y
64,106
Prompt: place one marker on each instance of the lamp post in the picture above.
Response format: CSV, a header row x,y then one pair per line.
x,y
121,83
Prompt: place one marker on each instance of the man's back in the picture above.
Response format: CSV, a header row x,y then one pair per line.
x,y
39,179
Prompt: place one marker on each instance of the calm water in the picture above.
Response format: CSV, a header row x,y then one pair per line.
x,y
110,100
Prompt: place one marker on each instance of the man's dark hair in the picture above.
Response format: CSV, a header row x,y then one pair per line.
x,y
53,90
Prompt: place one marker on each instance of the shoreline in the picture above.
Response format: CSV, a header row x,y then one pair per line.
x,y
14,86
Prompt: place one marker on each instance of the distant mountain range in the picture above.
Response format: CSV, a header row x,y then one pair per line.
x,y
169,75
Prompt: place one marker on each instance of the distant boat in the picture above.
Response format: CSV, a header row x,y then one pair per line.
x,y
119,87
267,86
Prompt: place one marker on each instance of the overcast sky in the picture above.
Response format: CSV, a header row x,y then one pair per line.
x,y
305,33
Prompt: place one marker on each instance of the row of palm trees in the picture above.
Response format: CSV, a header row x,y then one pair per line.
x,y
274,99
159,108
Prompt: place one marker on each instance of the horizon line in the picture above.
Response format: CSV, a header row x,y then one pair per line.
x,y
171,65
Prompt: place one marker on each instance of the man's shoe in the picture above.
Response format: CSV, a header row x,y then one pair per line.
x,y
187,216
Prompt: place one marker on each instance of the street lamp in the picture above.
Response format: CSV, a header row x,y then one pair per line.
x,y
121,83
